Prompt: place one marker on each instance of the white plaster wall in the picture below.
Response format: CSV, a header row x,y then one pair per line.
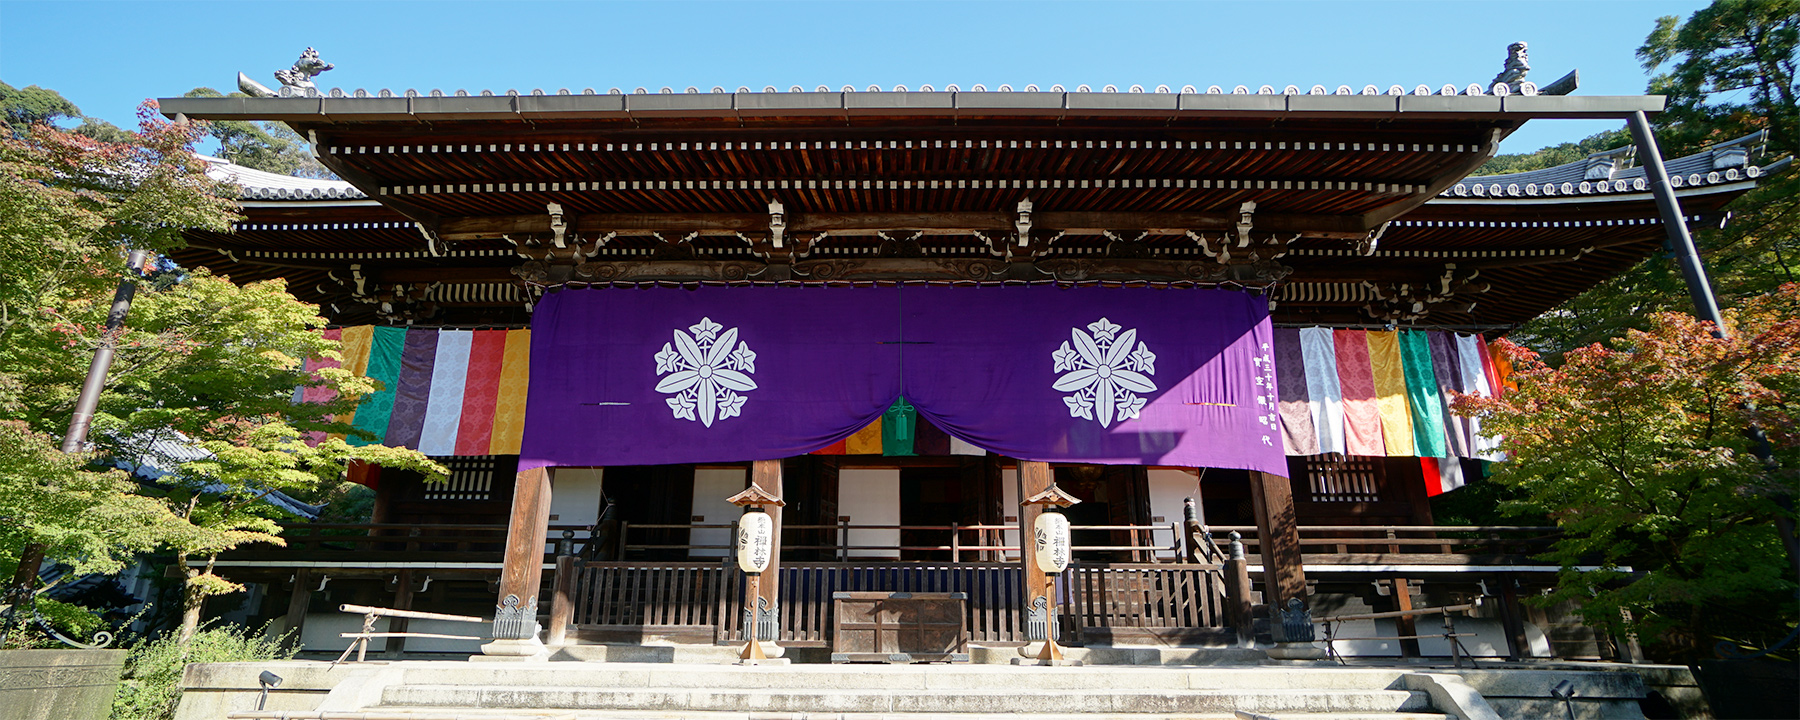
x,y
574,498
871,496
1169,490
322,634
1489,637
1009,497
711,488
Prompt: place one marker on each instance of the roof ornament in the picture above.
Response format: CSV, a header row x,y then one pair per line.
x,y
1518,64
295,82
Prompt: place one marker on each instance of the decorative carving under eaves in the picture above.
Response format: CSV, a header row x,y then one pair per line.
x,y
900,247
1451,291
671,270
899,269
1250,274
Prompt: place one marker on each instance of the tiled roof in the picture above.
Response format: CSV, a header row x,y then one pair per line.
x,y
259,185
1605,173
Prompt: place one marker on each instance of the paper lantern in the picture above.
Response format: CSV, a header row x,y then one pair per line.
x,y
755,541
1052,537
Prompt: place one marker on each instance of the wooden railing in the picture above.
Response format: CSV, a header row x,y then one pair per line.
x,y
661,597
980,543
1349,544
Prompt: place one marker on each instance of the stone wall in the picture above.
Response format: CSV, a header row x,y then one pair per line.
x,y
58,684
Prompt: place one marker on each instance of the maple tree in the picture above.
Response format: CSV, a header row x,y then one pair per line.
x,y
1638,451
202,364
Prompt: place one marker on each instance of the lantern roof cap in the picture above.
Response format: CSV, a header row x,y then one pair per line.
x,y
1053,495
754,495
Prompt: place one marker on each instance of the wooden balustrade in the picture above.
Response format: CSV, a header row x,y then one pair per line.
x,y
665,597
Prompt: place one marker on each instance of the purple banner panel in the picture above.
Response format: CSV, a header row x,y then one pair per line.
x,y
716,374
1094,374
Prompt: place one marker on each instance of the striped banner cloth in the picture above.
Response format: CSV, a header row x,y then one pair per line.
x,y
1377,393
443,392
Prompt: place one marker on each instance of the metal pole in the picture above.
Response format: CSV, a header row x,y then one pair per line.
x,y
103,355
1675,224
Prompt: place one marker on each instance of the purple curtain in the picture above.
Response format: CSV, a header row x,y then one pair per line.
x,y
715,374
1094,374
720,374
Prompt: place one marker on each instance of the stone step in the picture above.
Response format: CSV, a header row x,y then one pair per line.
x,y
907,701
480,714
942,678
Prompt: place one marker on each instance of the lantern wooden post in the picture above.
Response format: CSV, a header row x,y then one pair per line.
x,y
765,475
1046,546
758,539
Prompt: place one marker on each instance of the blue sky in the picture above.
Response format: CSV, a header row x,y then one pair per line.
x,y
108,56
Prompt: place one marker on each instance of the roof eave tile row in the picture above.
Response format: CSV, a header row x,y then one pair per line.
x,y
354,109
1477,187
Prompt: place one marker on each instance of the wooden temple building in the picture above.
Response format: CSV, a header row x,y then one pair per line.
x,y
1348,214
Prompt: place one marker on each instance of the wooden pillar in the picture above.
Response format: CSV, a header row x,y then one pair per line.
x,y
298,604
766,475
1517,645
1407,625
1034,478
403,600
1278,541
515,615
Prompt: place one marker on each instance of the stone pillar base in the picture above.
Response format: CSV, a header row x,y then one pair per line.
x,y
1296,651
510,649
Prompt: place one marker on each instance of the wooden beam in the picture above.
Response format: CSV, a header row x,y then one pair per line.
x,y
1278,538
495,226
1456,172
523,569
298,604
403,598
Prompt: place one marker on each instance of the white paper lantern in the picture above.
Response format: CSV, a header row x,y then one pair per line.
x,y
755,541
1052,537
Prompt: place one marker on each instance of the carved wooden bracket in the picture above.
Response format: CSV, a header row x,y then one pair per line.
x,y
1412,301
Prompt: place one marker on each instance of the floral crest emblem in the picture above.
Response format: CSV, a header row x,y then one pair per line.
x,y
1104,373
706,371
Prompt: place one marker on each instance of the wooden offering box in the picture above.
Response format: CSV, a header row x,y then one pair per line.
x,y
899,627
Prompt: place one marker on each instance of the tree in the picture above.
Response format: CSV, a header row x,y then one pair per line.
x,y
1638,451
202,362
266,146
1729,73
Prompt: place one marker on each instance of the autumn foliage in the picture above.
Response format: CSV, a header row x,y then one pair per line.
x,y
1642,452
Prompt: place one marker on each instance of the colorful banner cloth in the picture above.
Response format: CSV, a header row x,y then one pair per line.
x,y
1393,393
440,389
1103,375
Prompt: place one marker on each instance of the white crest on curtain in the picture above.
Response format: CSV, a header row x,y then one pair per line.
x,y
1104,372
706,371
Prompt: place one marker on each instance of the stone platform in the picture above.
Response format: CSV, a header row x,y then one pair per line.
x,y
688,682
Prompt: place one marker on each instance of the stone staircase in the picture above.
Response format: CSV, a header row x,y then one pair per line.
x,y
621,690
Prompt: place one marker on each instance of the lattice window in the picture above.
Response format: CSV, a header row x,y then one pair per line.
x,y
1338,478
471,478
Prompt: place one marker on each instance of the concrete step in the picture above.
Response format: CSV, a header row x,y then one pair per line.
x,y
906,701
479,714
941,678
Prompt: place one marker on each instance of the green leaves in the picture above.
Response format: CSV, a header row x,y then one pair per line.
x,y
1639,451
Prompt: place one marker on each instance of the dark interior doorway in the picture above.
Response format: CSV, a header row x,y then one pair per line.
x,y
650,495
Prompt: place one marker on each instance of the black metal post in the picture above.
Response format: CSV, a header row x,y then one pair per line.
x,y
1700,289
103,355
